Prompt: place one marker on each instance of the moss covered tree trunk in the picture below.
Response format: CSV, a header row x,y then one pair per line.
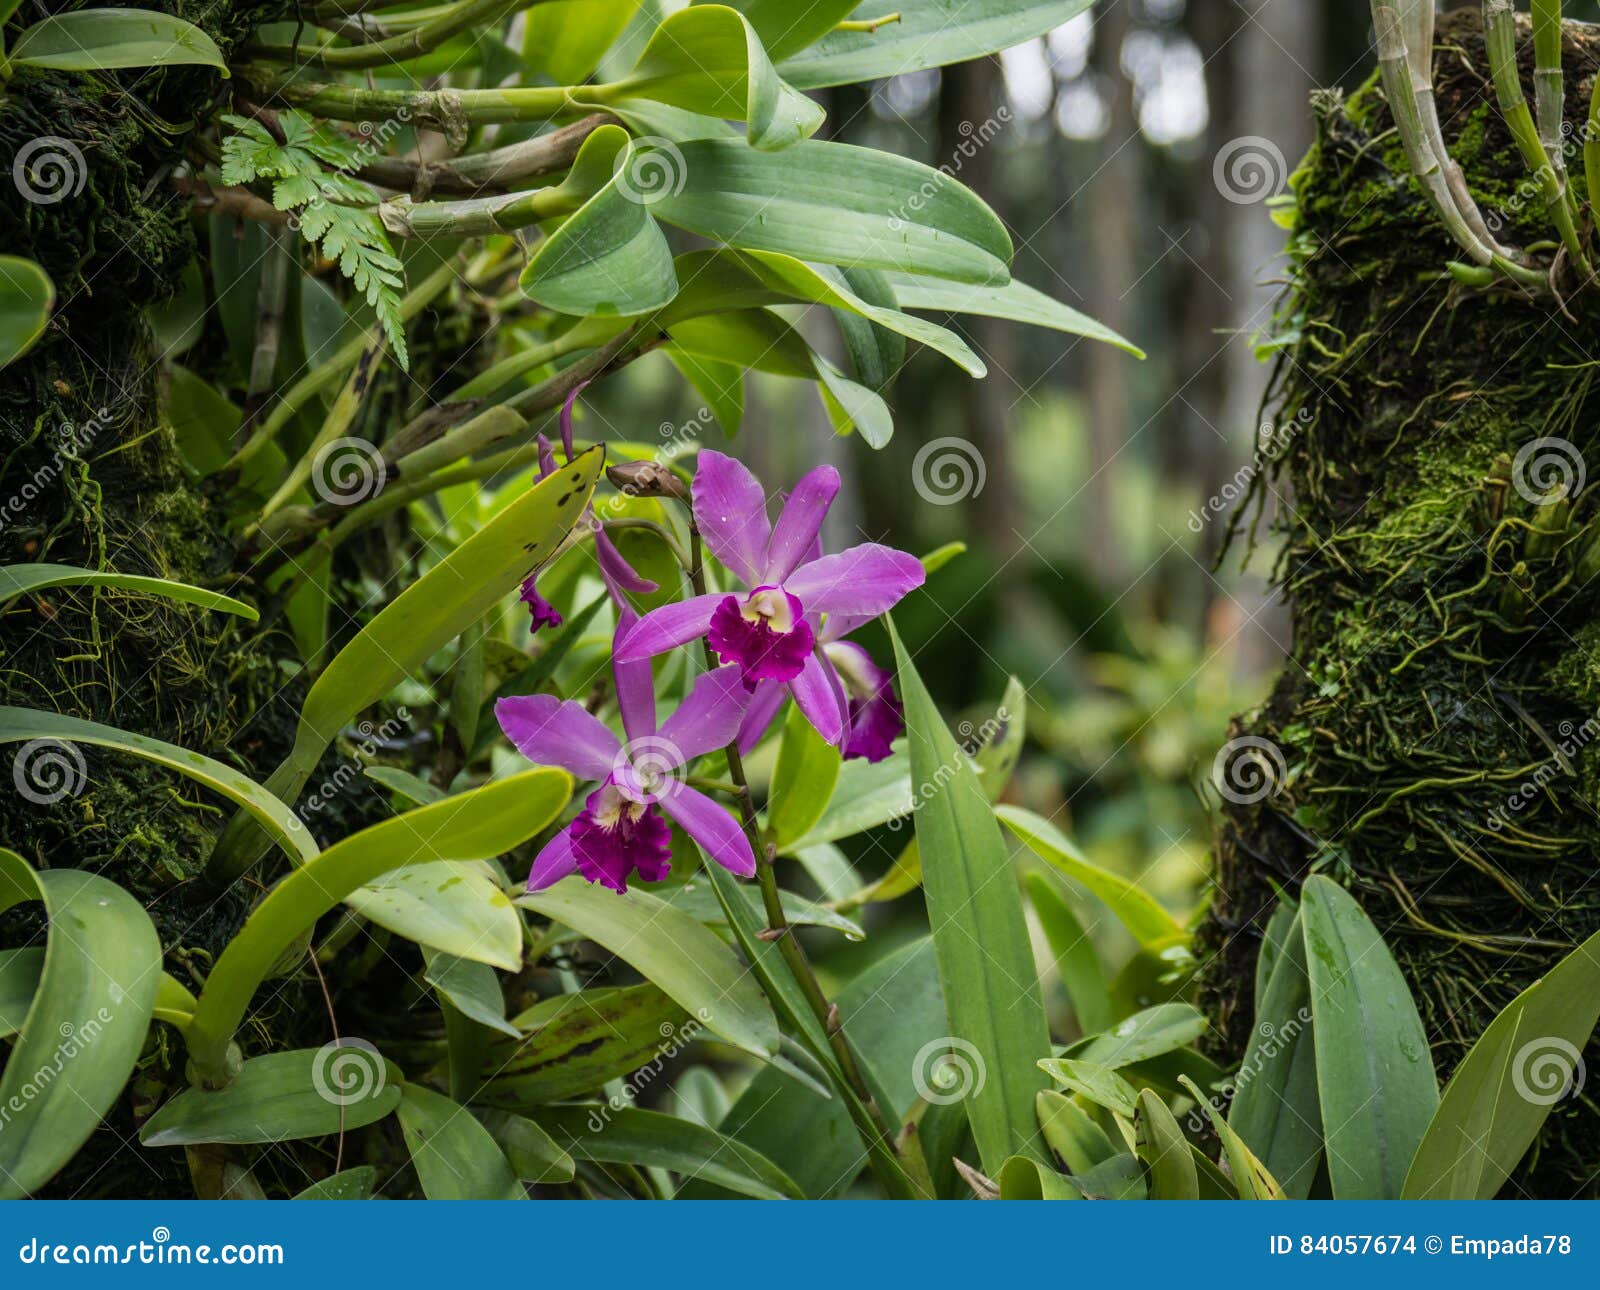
x,y
1438,719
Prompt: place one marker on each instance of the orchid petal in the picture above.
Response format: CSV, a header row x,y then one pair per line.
x,y
821,699
553,863
717,832
619,575
758,717
551,732
708,718
795,534
666,628
866,580
730,510
636,685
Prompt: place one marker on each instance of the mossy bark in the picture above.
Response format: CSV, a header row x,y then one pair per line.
x,y
1439,714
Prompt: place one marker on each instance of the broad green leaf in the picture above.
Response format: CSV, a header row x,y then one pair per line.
x,y
24,579
421,620
611,257
454,1155
565,39
282,1097
787,26
1251,1179
414,790
471,987
19,978
457,909
671,949
708,59
1522,1066
1016,302
1146,1034
575,1042
1078,1142
720,384
894,1016
534,1155
700,899
840,204
1024,1178
1165,1151
351,1184
979,933
1119,1178
1275,1106
86,1023
88,40
1074,953
51,738
1375,1077
867,795
852,406
1282,929
26,297
749,338
928,33
629,1136
475,825
802,781
1099,1084
1139,912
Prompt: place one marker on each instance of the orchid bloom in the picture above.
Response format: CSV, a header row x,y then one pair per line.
x,y
615,571
621,831
774,631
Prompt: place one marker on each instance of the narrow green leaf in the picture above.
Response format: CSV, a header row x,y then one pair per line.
x,y
802,781
88,40
24,579
1099,1084
26,297
671,949
979,933
1148,1033
470,986
1075,957
282,1097
1375,1075
1282,928
1071,1132
1119,1178
1164,1151
86,1023
454,1155
1015,302
1251,1179
1023,1178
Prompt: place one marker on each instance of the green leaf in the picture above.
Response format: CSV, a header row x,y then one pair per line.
x,y
671,949
1146,1034
19,979
534,1155
421,620
720,384
700,899
1138,912
1160,1144
1251,1179
802,781
708,59
454,1155
929,33
86,1023
351,1184
23,579
576,1042
1016,302
979,933
457,909
867,795
475,825
629,1136
788,26
88,40
55,736
565,39
1078,1142
837,203
1099,1084
1119,1178
283,1097
1075,957
1525,1063
1023,1178
1375,1075
1282,929
470,986
26,297
611,257
1275,1108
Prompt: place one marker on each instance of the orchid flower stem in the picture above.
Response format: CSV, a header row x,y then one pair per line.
x,y
903,1173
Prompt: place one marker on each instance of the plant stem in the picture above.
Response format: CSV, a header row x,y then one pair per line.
x,y
474,173
398,48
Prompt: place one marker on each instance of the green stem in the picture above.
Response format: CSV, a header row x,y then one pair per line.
x,y
396,49
502,167
1549,98
477,216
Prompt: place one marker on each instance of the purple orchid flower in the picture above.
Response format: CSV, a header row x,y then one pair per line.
x,y
773,631
620,831
616,572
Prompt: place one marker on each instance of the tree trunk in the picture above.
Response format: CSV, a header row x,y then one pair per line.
x,y
1428,743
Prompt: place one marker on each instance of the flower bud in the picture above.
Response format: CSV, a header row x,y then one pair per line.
x,y
647,479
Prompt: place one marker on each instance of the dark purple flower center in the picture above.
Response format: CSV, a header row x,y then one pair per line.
x,y
614,837
766,634
543,613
